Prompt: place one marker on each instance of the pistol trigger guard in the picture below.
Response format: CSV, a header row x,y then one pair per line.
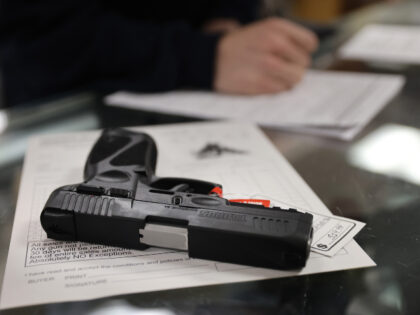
x,y
181,188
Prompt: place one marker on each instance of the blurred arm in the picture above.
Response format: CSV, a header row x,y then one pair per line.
x,y
53,46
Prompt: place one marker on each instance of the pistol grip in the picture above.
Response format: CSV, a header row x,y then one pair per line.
x,y
117,161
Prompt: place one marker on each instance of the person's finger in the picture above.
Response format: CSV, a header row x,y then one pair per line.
x,y
300,35
289,51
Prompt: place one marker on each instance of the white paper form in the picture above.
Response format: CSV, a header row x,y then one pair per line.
x,y
335,104
398,44
40,270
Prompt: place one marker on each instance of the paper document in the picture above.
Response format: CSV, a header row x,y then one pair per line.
x,y
398,44
336,104
42,270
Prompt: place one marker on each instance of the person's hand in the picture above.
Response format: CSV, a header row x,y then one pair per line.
x,y
265,57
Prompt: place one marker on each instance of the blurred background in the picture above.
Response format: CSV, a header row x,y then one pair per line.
x,y
45,46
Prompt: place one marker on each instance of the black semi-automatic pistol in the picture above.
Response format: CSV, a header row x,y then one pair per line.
x,y
122,203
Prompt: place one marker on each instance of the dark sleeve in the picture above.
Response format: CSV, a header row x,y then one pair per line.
x,y
245,11
85,45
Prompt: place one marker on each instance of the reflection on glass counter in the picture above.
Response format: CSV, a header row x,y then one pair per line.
x,y
392,150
